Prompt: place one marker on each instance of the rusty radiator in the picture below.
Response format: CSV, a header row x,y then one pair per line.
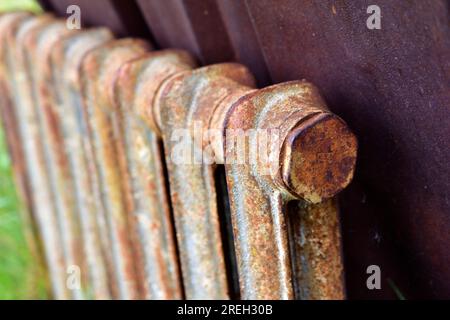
x,y
154,178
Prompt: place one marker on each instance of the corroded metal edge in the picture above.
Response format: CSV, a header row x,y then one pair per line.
x,y
142,162
259,199
37,46
65,61
10,122
30,132
97,84
187,102
315,159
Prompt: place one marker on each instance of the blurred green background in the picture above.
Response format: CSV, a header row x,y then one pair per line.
x,y
10,5
19,272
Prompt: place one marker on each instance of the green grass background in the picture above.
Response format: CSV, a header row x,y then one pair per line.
x,y
10,5
18,276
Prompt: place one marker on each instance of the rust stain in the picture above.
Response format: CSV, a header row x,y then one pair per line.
x,y
65,61
188,100
136,87
259,199
8,115
97,124
30,130
38,46
98,73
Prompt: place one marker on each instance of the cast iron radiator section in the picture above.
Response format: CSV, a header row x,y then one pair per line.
x,y
94,127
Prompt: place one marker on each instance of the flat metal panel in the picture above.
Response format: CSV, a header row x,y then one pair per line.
x,y
193,25
122,17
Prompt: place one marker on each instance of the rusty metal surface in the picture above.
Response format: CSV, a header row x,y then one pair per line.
x,y
187,101
9,119
65,60
204,98
324,153
316,249
34,151
8,116
137,84
37,49
391,86
103,118
97,77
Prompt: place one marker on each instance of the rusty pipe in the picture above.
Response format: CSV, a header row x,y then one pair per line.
x,y
184,104
223,97
10,121
38,46
65,61
136,86
285,219
314,159
97,85
36,162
